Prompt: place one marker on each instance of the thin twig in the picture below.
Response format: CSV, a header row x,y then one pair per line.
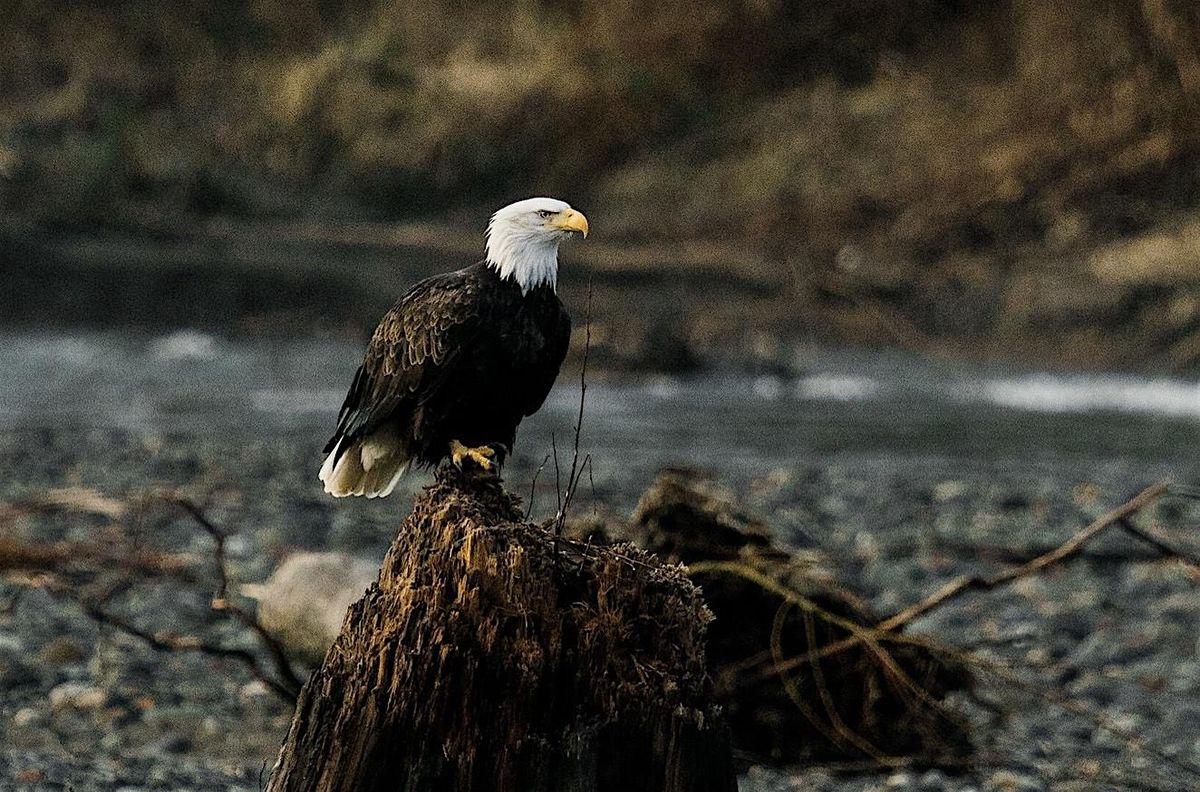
x,y
223,604
592,481
533,487
573,485
573,477
558,494
557,477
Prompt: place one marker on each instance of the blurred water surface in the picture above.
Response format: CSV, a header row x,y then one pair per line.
x,y
850,409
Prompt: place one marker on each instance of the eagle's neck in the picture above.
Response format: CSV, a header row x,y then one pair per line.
x,y
529,259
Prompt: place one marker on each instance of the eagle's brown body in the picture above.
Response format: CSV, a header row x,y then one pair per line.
x,y
461,357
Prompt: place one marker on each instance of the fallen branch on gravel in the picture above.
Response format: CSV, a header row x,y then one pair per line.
x,y
43,565
873,638
288,682
999,554
728,553
172,642
163,641
960,586
967,583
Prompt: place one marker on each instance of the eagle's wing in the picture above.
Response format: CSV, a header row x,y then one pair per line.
x,y
408,354
554,354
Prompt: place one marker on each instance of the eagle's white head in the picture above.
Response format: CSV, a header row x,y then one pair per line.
x,y
523,238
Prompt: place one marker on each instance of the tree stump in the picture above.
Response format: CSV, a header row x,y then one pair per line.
x,y
488,657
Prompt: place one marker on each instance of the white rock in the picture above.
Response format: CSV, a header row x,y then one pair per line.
x,y
253,689
185,345
78,696
304,601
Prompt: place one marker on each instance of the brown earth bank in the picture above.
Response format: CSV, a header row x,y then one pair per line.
x,y
654,307
1016,179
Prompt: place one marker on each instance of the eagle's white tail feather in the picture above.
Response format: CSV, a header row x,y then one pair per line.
x,y
371,466
382,478
327,468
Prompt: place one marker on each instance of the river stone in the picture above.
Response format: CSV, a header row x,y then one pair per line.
x,y
304,601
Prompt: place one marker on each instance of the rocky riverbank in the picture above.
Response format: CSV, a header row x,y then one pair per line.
x,y
89,708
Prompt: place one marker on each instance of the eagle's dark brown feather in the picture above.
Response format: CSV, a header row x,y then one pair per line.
x,y
462,356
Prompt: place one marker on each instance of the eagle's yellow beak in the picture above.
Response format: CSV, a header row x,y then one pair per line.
x,y
570,220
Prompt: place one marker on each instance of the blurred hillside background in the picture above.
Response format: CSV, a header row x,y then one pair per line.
x,y
1014,179
932,266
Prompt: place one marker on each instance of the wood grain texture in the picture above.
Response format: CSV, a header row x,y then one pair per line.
x,y
481,660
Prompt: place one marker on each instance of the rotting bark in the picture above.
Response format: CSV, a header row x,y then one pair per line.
x,y
481,660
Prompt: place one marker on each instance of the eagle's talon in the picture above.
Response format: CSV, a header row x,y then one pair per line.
x,y
480,455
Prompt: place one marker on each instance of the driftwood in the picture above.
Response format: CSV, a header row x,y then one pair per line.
x,y
491,657
94,574
878,704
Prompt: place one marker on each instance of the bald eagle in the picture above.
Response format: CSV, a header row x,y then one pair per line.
x,y
456,364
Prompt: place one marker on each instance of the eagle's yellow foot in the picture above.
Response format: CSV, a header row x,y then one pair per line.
x,y
481,455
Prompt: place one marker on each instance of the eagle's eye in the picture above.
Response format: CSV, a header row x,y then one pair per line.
x,y
544,213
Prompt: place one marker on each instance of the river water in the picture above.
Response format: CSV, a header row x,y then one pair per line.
x,y
848,409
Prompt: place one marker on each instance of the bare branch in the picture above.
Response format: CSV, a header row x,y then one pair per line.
x,y
170,642
966,583
960,586
533,487
161,641
222,603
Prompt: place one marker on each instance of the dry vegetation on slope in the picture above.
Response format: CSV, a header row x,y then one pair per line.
x,y
1001,172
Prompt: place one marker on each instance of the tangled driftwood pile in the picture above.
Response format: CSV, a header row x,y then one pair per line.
x,y
786,695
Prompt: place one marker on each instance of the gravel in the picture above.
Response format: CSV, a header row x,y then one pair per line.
x,y
88,708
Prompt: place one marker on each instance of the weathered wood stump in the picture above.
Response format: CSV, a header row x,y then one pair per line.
x,y
485,658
